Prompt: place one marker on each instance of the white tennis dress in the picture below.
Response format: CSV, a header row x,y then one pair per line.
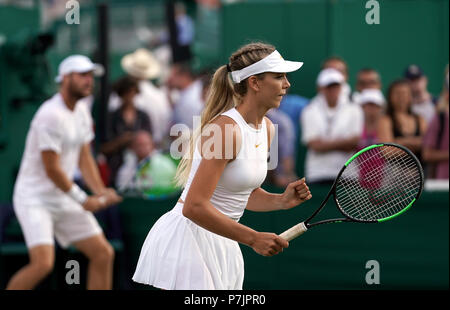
x,y
179,254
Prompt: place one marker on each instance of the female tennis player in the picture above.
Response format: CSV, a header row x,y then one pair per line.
x,y
195,245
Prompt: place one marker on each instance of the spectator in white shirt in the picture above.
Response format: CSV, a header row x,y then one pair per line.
x,y
331,128
190,101
339,64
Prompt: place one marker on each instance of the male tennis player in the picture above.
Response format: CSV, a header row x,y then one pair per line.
x,y
47,202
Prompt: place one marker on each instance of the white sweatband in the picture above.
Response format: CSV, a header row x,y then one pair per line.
x,y
271,63
77,194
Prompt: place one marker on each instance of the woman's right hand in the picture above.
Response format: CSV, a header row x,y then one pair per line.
x,y
268,244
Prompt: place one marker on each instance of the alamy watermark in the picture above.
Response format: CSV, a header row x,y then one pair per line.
x,y
218,143
373,275
373,15
73,13
73,275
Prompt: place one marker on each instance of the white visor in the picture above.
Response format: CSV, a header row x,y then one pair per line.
x,y
272,63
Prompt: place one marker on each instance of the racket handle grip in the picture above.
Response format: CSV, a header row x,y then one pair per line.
x,y
294,231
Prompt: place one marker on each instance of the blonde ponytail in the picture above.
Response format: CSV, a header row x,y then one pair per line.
x,y
222,96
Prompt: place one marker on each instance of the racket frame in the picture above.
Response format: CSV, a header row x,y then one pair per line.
x,y
347,217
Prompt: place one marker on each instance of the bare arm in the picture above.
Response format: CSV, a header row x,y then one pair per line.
x,y
51,161
434,156
53,170
296,193
344,145
116,144
89,170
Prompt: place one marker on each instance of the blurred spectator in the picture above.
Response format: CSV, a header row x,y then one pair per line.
x,y
436,139
366,78
206,80
400,125
340,65
331,128
372,102
145,170
122,123
189,102
185,31
423,103
185,34
143,66
141,147
285,171
293,105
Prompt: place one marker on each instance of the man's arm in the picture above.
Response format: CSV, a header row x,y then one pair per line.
x,y
53,170
90,172
51,161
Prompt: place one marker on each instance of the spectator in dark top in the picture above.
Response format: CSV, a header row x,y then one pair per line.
x,y
400,125
436,139
122,123
423,102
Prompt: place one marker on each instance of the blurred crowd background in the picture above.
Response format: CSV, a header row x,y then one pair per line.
x,y
360,84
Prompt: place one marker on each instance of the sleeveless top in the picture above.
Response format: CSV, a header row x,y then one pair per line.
x,y
240,176
397,133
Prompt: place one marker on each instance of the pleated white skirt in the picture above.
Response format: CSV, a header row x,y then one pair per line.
x,y
180,255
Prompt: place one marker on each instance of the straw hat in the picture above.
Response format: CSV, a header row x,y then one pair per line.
x,y
141,64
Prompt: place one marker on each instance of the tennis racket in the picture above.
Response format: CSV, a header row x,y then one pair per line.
x,y
376,184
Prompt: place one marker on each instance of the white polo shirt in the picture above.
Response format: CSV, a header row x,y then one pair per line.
x,y
189,104
53,127
319,121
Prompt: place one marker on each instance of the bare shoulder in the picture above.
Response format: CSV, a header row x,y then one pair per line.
x,y
221,137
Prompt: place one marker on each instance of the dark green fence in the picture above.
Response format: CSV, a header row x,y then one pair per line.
x,y
411,31
412,250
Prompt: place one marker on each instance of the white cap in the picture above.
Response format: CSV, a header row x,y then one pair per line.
x,y
78,63
371,96
329,76
271,63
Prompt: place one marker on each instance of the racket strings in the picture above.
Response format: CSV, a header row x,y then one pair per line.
x,y
394,201
378,183
367,213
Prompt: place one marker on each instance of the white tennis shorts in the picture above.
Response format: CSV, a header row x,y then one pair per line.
x,y
42,224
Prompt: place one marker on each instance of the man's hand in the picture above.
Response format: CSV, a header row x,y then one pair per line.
x,y
101,201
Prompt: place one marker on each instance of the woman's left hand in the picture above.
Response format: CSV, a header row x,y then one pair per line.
x,y
296,193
